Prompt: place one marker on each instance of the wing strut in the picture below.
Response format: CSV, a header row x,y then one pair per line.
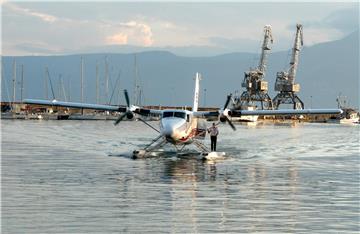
x,y
148,124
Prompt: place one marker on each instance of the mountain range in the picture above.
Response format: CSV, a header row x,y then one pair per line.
x,y
325,71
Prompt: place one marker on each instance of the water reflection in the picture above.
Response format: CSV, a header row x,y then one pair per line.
x,y
208,196
277,180
190,168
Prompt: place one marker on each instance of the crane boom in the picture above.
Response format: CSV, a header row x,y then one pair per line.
x,y
285,81
295,53
265,48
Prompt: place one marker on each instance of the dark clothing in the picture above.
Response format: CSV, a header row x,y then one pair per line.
x,y
213,142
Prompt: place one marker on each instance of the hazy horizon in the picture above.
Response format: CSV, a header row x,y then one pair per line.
x,y
185,29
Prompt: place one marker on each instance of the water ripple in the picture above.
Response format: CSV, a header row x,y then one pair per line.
x,y
78,177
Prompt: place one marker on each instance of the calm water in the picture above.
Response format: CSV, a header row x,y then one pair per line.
x,y
77,177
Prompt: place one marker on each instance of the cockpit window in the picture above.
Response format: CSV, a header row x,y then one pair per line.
x,y
167,114
179,115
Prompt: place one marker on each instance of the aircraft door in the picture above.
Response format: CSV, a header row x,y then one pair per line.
x,y
201,129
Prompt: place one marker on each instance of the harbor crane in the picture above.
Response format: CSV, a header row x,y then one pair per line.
x,y
256,86
285,81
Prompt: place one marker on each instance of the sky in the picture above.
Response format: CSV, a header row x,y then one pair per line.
x,y
52,28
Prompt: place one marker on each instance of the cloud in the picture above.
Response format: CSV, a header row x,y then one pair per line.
x,y
344,21
63,32
314,36
119,39
130,32
25,11
140,29
334,26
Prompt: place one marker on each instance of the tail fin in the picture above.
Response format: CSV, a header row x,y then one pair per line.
x,y
196,93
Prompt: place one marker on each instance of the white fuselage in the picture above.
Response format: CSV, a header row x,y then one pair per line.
x,y
180,127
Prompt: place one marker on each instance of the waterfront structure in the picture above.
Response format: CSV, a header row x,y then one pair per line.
x,y
285,80
256,95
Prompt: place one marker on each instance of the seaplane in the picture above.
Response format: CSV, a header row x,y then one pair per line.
x,y
179,128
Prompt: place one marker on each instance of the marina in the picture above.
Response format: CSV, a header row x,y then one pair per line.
x,y
159,117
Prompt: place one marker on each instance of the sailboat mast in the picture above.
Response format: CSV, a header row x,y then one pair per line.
x,y
69,88
97,83
136,85
14,81
22,82
51,86
46,84
63,88
82,79
59,87
6,87
106,79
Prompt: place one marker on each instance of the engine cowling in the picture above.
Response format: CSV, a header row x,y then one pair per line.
x,y
222,119
129,115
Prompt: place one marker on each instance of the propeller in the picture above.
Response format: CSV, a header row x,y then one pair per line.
x,y
227,101
127,98
225,113
121,117
230,123
129,112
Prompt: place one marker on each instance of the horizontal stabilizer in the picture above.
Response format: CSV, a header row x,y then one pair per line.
x,y
75,105
236,113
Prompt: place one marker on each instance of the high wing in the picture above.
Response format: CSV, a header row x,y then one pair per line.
x,y
135,109
224,114
238,113
147,112
75,105
207,114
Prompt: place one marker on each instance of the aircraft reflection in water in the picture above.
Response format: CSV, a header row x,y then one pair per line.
x,y
209,197
180,128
